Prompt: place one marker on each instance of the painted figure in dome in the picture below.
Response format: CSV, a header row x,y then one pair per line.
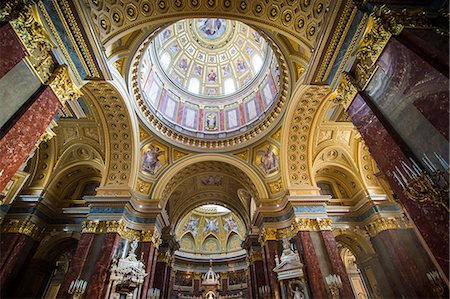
x,y
192,225
212,76
269,160
211,26
210,225
183,64
150,160
240,65
230,224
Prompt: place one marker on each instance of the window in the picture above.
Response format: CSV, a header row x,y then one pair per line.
x,y
229,86
194,85
257,62
165,60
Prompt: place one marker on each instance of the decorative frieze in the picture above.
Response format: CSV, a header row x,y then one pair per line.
x,y
23,226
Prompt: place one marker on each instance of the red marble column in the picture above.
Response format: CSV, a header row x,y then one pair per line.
x,y
17,144
250,282
76,264
98,281
171,283
196,287
225,286
15,249
314,274
149,251
401,268
336,263
153,269
11,48
159,279
270,249
431,221
165,293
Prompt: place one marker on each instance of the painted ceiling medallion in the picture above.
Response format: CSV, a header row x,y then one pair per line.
x,y
208,79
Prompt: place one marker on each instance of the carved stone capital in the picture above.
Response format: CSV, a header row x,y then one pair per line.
x,y
267,234
26,227
382,224
62,85
346,91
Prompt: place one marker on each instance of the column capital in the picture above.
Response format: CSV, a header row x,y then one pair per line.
x,y
63,86
119,227
267,234
382,224
23,226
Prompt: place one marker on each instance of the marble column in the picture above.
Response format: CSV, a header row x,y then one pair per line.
x,y
20,140
224,286
270,249
431,221
148,249
15,251
314,274
153,269
250,283
336,263
260,276
170,290
98,281
400,267
12,49
159,280
34,279
77,263
196,284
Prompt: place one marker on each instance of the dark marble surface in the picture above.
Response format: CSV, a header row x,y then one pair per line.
x,y
413,96
17,144
315,277
12,50
407,279
76,264
98,281
431,221
336,263
15,249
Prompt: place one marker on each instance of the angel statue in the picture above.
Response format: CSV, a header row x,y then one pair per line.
x,y
133,246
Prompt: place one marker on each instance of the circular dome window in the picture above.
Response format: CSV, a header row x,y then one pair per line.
x,y
208,82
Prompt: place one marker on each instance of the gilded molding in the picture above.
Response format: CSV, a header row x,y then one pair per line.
x,y
119,227
324,223
25,227
33,36
306,224
382,224
62,85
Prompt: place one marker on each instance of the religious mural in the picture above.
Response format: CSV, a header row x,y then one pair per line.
x,y
267,159
154,158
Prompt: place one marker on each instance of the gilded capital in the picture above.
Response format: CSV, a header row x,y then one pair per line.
x,y
346,91
25,227
268,234
62,85
33,36
382,224
305,224
324,223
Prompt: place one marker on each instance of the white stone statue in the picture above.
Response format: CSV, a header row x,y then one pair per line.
x,y
133,246
297,294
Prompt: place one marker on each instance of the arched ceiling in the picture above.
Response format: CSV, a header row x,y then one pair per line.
x,y
210,182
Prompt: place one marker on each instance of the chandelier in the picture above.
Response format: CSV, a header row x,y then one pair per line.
x,y
420,185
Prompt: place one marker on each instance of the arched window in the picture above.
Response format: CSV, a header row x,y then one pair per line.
x,y
165,60
257,62
194,85
229,86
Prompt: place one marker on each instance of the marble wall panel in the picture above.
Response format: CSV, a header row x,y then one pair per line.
x,y
12,49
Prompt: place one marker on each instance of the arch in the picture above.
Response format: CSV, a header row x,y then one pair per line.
x,y
231,241
300,118
160,192
190,239
357,241
208,242
122,139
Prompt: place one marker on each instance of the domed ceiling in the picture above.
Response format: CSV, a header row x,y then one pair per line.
x,y
210,230
209,80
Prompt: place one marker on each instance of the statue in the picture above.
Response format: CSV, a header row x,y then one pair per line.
x,y
286,243
297,294
133,246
